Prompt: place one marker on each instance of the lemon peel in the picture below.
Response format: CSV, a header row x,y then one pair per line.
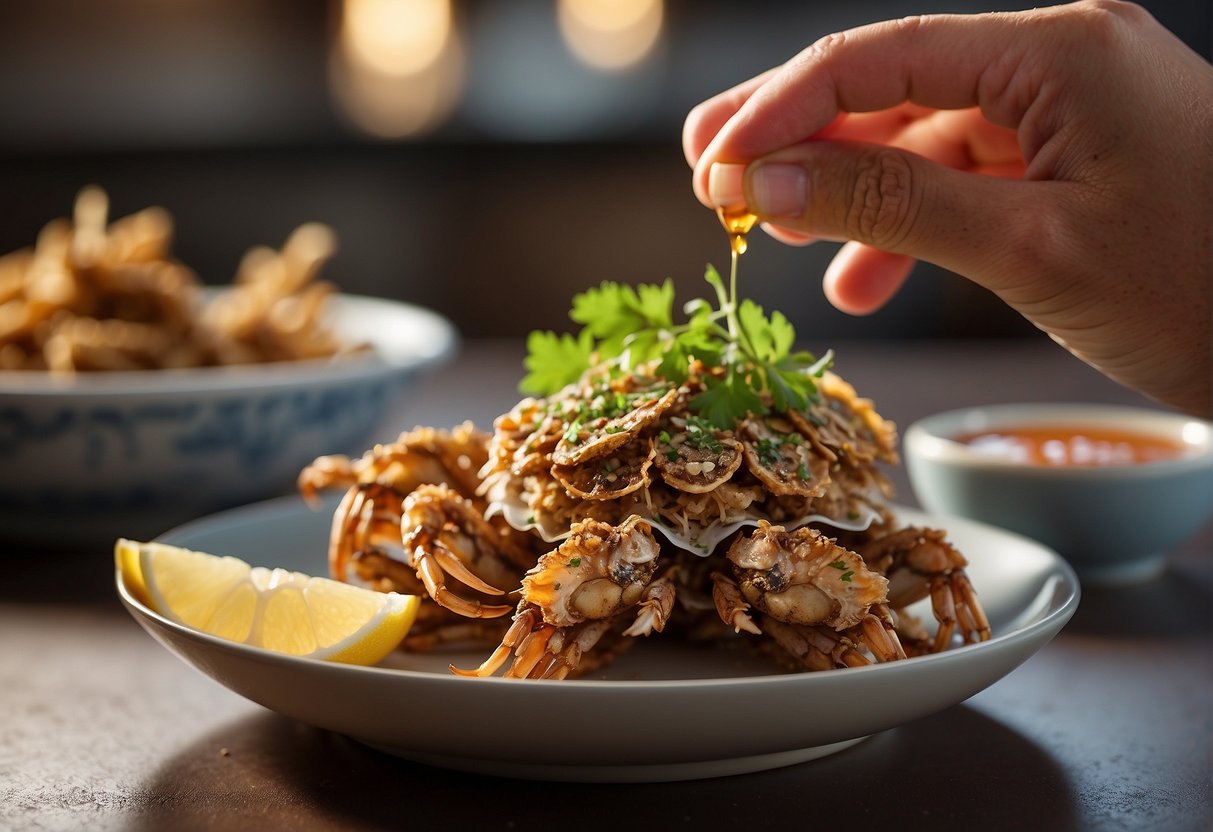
x,y
276,609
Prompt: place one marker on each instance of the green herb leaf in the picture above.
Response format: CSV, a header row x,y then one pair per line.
x,y
572,433
675,362
724,403
766,340
790,389
629,326
554,361
625,317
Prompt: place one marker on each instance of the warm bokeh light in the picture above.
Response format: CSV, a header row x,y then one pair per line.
x,y
610,34
1195,433
397,66
396,37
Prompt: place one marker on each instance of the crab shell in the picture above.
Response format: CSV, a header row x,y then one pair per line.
x,y
608,448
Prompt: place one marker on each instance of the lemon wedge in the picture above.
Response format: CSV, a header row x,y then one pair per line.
x,y
287,612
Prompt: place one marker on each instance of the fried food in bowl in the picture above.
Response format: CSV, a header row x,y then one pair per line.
x,y
133,397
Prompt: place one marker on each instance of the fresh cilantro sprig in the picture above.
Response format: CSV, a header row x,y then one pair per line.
x,y
552,360
627,326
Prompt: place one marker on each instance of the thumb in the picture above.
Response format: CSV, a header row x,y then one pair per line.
x,y
892,200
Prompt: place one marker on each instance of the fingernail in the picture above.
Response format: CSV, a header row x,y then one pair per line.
x,y
779,190
726,185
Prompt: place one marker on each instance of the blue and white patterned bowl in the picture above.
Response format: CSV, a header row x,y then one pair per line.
x,y
86,459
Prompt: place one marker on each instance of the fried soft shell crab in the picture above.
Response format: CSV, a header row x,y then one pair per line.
x,y
736,498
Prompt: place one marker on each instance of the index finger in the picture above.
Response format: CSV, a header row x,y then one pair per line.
x,y
940,61
705,119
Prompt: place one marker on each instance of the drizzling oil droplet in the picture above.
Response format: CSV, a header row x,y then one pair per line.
x,y
737,222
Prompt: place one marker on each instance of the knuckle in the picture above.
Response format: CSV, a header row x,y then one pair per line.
x,y
1100,22
910,24
821,49
883,199
1117,8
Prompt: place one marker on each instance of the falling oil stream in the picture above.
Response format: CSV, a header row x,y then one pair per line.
x,y
737,222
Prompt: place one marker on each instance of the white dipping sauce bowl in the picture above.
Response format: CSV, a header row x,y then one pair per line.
x,y
1113,523
87,458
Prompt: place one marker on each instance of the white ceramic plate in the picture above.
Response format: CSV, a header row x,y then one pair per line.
x,y
664,711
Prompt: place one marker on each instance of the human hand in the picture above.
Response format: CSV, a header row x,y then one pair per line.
x,y
1060,157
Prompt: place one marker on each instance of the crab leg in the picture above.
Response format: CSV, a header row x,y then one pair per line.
x,y
731,606
968,609
943,606
525,621
817,648
655,608
820,648
920,563
332,471
431,575
376,567
339,548
367,513
533,648
878,633
450,563
478,630
563,654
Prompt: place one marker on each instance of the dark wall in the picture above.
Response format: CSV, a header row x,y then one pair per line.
x,y
219,110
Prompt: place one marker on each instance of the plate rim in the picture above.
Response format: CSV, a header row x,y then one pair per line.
x,y
1056,617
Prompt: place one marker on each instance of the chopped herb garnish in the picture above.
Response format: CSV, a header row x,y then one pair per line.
x,y
605,405
664,436
837,564
803,471
846,576
672,456
768,451
576,561
572,434
701,435
626,326
615,428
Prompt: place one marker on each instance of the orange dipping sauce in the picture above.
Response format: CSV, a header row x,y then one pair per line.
x,y
1071,446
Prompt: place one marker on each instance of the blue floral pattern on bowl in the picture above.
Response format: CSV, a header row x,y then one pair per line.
x,y
102,458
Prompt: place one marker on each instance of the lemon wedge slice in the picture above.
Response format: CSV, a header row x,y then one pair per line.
x,y
287,612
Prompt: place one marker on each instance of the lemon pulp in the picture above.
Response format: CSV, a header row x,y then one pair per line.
x,y
287,612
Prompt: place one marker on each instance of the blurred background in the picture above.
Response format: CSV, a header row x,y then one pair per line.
x,y
486,158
